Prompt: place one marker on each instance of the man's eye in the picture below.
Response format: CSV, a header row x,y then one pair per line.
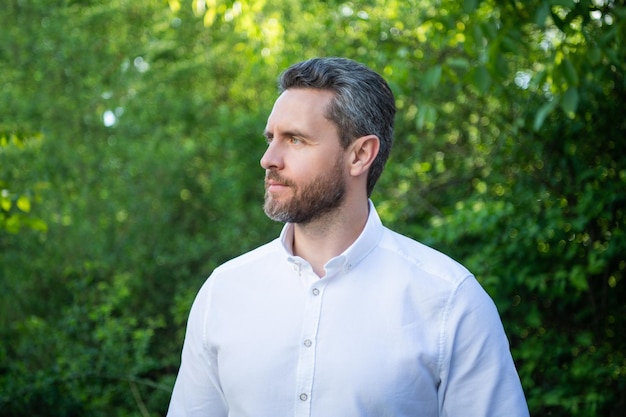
x,y
295,140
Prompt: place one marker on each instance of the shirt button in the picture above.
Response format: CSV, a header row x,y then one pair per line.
x,y
348,267
308,343
316,291
303,397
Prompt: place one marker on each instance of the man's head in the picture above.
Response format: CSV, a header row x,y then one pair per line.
x,y
362,103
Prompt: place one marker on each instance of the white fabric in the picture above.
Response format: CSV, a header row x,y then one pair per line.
x,y
394,328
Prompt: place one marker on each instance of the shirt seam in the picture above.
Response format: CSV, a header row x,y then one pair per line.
x,y
444,323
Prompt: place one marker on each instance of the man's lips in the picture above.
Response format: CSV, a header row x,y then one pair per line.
x,y
274,183
273,186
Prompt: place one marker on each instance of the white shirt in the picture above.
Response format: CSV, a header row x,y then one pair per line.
x,y
393,329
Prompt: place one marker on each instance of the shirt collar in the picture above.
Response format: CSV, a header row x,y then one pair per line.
x,y
360,248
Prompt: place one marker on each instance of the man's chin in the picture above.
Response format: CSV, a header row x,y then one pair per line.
x,y
275,211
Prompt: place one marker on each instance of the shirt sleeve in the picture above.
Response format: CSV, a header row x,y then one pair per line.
x,y
479,378
197,391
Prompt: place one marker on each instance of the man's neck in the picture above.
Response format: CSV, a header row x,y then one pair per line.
x,y
327,237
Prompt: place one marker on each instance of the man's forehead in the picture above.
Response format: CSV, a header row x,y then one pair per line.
x,y
301,103
304,97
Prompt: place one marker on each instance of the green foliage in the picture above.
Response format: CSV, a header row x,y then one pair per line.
x,y
15,206
509,156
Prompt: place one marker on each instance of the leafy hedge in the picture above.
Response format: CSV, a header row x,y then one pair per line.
x,y
129,147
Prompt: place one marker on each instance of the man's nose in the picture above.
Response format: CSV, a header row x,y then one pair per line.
x,y
272,158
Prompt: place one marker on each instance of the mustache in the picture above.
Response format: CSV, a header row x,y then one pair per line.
x,y
275,176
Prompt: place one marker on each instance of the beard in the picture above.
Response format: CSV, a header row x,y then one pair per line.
x,y
309,201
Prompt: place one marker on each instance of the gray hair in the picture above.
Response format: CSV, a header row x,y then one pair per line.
x,y
363,103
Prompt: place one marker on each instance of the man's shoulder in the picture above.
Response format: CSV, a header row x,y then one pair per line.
x,y
251,265
421,256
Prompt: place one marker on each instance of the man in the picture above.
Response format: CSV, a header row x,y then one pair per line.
x,y
340,316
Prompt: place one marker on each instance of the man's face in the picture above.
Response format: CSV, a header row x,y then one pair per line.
x,y
304,162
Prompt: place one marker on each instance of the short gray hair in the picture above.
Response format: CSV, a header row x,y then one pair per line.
x,y
363,103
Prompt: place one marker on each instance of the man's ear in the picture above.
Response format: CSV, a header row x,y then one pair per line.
x,y
363,151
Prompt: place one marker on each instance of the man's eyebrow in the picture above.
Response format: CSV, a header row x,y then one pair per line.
x,y
287,133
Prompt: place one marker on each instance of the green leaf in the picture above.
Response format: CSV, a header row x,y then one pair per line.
x,y
569,72
544,112
461,63
490,30
5,203
470,5
38,224
569,102
23,203
427,115
578,278
432,77
542,14
568,4
481,79
539,79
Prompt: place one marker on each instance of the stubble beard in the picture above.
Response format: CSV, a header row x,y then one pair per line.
x,y
310,201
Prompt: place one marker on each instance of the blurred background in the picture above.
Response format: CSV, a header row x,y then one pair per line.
x,y
130,139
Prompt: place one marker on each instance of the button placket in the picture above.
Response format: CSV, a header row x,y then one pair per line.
x,y
306,358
